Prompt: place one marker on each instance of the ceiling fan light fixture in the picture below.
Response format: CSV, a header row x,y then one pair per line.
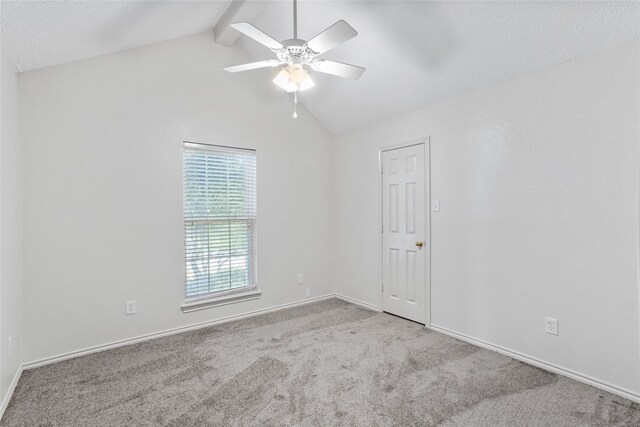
x,y
293,78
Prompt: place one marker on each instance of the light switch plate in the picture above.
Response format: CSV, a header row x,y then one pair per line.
x,y
435,205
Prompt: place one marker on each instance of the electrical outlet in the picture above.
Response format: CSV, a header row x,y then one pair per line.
x,y
551,325
307,293
130,308
300,279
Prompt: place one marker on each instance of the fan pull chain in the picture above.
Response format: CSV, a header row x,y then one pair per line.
x,y
295,104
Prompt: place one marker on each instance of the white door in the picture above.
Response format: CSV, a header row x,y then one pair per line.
x,y
404,253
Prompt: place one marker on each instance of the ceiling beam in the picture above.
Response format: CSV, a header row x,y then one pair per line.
x,y
238,11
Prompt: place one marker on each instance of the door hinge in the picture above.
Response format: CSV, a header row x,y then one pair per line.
x,y
383,287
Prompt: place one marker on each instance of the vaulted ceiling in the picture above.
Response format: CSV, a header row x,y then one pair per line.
x,y
415,52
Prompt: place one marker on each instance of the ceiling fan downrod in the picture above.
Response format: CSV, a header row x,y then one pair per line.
x,y
295,36
295,19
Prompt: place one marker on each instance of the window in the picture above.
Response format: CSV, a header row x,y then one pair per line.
x,y
219,221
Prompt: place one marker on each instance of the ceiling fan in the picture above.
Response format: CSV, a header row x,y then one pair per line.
x,y
295,54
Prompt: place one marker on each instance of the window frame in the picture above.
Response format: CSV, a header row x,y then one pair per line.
x,y
233,295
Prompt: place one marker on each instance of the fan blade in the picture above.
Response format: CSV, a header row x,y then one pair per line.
x,y
338,69
257,34
253,65
338,33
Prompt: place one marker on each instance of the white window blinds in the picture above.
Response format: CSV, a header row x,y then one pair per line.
x,y
219,220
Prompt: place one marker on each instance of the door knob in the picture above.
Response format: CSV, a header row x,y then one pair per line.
x,y
419,243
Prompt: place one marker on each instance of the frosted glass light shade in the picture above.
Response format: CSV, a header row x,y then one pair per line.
x,y
306,83
297,74
282,79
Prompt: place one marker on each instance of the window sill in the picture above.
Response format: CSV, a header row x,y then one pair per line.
x,y
188,307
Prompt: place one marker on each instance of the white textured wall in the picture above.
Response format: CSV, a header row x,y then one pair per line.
x,y
10,230
538,185
103,189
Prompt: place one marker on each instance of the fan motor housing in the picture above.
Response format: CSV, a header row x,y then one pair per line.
x,y
294,51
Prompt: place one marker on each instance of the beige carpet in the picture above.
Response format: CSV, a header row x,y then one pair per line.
x,y
323,364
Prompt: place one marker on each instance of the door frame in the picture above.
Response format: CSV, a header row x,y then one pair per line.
x,y
426,141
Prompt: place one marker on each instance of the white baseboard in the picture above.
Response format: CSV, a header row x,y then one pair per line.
x,y
627,394
173,331
9,395
358,302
